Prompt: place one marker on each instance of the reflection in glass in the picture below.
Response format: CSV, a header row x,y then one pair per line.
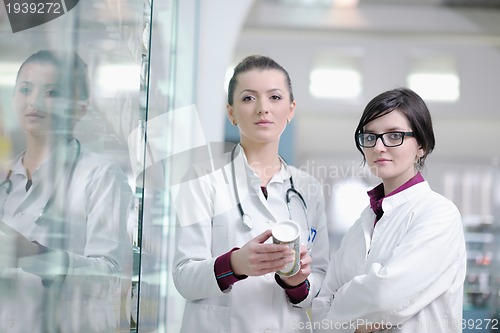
x,y
66,263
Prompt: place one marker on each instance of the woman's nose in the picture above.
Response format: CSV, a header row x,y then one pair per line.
x,y
36,100
379,145
263,108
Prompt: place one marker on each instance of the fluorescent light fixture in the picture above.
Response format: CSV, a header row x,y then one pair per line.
x,y
348,199
115,78
8,74
443,87
345,3
434,76
335,83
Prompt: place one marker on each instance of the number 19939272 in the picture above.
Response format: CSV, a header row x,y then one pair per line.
x,y
14,7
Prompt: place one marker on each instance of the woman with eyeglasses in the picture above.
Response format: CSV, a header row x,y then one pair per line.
x,y
401,266
225,260
65,255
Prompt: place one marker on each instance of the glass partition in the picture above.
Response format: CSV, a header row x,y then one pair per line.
x,y
86,145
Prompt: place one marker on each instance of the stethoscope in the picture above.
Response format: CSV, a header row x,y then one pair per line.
x,y
247,219
7,183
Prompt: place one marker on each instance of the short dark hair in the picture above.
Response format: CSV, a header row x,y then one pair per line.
x,y
412,106
255,62
73,73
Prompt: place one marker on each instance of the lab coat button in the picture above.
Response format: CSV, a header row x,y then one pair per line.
x,y
267,331
10,323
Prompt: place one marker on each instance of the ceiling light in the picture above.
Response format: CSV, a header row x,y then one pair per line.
x,y
345,3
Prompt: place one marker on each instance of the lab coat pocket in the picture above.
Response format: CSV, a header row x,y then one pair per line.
x,y
206,318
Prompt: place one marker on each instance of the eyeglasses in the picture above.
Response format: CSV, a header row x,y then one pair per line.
x,y
389,139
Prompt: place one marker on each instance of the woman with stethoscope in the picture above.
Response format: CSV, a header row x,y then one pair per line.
x,y
225,262
65,250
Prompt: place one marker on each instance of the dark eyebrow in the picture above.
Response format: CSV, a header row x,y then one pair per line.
x,y
247,91
255,91
275,89
45,86
392,129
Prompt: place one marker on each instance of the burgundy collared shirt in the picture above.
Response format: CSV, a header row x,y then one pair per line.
x,y
377,194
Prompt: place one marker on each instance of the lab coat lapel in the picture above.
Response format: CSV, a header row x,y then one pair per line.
x,y
367,226
56,168
276,203
252,186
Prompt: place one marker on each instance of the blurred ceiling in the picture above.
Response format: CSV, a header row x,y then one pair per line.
x,y
384,33
471,3
458,3
453,16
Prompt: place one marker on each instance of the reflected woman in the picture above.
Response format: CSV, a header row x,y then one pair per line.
x,y
63,212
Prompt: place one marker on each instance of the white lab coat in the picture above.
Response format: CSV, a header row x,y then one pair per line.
x,y
407,271
210,225
81,286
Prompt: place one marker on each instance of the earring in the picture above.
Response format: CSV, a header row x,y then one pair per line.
x,y
419,165
234,122
288,121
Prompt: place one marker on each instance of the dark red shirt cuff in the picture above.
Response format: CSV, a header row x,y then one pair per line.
x,y
295,294
224,273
